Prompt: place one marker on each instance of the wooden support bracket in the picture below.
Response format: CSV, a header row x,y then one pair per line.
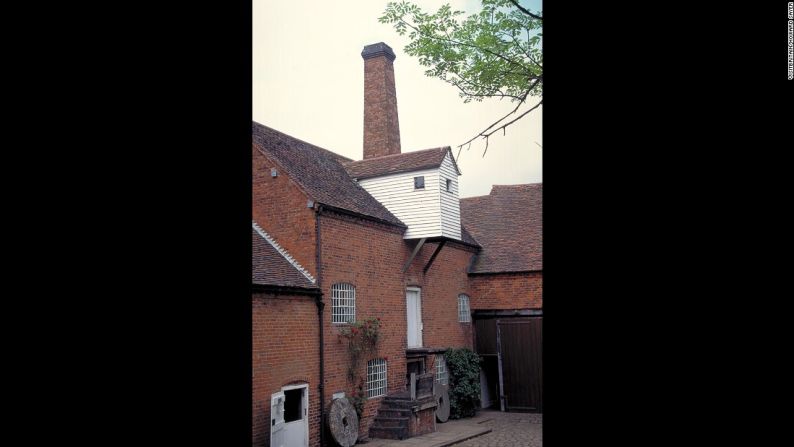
x,y
414,253
433,257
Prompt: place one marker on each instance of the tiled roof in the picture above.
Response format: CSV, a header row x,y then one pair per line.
x,y
508,224
273,266
320,173
466,237
393,164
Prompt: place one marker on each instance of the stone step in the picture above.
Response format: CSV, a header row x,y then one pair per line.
x,y
400,395
394,412
376,431
396,404
381,421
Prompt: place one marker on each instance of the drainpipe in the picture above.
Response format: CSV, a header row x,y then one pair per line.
x,y
320,306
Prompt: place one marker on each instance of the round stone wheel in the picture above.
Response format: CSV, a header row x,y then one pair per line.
x,y
442,399
343,422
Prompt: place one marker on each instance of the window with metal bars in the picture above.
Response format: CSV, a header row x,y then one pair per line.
x,y
464,314
441,370
376,378
343,303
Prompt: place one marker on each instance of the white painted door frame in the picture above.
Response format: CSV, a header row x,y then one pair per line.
x,y
413,310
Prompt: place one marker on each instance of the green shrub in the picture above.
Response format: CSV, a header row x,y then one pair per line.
x,y
464,382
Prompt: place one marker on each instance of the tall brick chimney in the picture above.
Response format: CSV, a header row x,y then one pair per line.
x,y
381,126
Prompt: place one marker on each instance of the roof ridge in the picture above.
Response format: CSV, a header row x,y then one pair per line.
x,y
476,197
400,154
283,252
515,185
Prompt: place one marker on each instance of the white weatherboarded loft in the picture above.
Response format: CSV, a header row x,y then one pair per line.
x,y
428,212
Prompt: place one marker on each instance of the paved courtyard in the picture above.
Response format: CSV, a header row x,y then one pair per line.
x,y
508,429
487,429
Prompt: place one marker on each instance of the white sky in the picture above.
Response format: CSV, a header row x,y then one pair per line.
x,y
308,82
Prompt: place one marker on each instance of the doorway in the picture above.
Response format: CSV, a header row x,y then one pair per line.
x,y
289,417
413,303
511,349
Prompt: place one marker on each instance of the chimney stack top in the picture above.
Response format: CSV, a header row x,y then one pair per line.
x,y
378,49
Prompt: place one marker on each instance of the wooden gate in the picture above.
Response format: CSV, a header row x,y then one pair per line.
x,y
512,352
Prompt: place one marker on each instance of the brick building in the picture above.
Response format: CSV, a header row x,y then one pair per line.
x,y
338,240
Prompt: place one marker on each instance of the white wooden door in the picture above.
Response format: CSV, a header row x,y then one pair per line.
x,y
296,416
277,420
413,302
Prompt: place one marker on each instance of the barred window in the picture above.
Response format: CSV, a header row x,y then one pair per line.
x,y
464,314
343,303
441,370
376,378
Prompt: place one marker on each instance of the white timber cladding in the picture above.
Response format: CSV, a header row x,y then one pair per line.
x,y
450,202
427,212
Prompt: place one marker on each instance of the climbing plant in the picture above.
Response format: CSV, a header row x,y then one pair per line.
x,y
463,366
362,342
357,398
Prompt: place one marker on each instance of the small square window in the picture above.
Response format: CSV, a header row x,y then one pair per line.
x,y
449,185
464,314
419,182
343,303
441,370
376,378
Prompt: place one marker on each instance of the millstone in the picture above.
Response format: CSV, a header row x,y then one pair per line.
x,y
343,422
442,399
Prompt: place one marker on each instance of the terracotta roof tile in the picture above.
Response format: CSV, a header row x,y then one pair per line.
x,y
393,164
508,224
320,173
269,267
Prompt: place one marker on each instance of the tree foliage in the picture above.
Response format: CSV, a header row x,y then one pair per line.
x,y
495,53
464,382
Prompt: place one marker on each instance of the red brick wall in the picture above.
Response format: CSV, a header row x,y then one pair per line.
x,y
285,351
279,207
371,256
507,291
368,256
441,285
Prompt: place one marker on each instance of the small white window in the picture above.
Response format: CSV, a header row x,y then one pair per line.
x,y
449,185
376,378
464,314
419,182
343,303
441,370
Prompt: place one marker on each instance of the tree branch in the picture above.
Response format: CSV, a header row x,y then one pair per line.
x,y
525,11
455,42
485,134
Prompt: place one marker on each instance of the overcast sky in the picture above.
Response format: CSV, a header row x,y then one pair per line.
x,y
308,82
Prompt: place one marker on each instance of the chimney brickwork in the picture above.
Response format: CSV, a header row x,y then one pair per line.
x,y
381,125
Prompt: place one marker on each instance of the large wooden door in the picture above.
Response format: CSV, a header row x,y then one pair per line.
x,y
512,353
522,368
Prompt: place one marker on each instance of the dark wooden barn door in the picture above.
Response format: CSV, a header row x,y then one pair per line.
x,y
522,367
511,349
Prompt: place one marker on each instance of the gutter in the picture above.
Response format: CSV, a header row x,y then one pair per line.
x,y
320,306
359,215
286,290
